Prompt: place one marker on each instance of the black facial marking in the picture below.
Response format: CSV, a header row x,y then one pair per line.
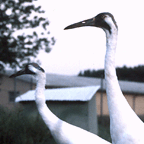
x,y
37,66
26,70
100,21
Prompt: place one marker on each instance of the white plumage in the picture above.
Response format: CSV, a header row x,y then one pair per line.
x,y
125,125
62,132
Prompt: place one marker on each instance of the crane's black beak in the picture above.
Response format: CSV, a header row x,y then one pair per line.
x,y
89,22
21,72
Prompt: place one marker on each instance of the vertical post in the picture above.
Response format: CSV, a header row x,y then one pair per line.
x,y
134,97
15,88
31,84
101,101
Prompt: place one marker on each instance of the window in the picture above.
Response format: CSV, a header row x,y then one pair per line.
x,y
13,95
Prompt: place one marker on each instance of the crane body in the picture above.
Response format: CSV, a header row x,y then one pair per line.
x,y
125,126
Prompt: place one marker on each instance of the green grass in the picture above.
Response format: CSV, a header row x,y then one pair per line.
x,y
104,128
18,128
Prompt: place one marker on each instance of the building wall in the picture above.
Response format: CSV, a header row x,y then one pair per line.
x,y
75,113
92,116
98,103
135,101
81,114
7,85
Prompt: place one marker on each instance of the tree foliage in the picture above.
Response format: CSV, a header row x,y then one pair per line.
x,y
124,73
18,16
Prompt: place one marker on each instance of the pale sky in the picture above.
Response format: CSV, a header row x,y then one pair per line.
x,y
84,48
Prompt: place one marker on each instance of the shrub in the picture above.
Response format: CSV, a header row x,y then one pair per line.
x,y
17,128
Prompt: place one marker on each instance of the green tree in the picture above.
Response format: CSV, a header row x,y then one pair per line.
x,y
123,73
17,16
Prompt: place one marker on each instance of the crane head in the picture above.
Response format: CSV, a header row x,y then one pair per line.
x,y
103,20
30,68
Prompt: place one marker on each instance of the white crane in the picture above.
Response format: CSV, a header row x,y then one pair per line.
x,y
62,132
125,125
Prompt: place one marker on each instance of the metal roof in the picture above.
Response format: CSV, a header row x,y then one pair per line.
x,y
62,94
55,80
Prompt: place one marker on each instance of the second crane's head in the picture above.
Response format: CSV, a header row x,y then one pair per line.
x,y
30,68
104,20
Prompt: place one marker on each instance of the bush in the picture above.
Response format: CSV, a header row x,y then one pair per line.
x,y
17,128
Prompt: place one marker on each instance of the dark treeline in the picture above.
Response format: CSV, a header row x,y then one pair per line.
x,y
123,73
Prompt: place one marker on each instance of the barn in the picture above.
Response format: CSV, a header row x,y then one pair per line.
x,y
75,105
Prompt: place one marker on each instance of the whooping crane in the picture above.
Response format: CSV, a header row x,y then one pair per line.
x,y
125,125
62,132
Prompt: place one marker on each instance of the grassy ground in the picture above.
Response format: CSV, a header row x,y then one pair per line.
x,y
17,128
104,128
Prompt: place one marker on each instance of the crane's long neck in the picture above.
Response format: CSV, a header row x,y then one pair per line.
x,y
49,118
114,94
122,117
